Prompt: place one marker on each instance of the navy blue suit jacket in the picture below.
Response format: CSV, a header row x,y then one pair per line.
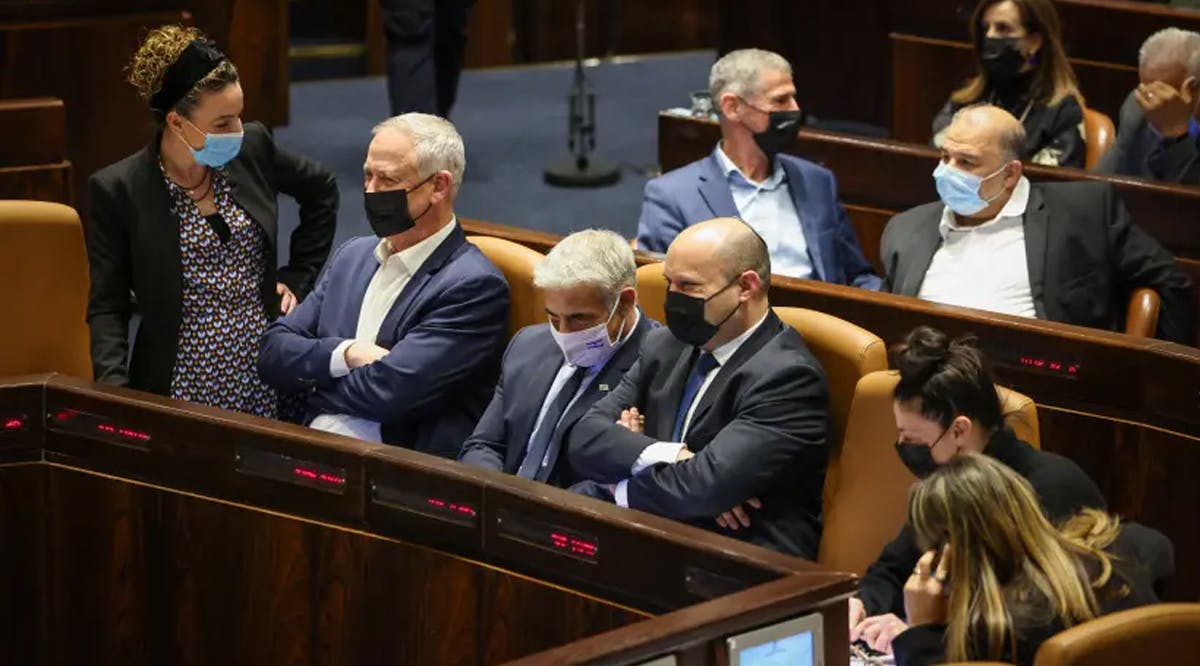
x,y
530,365
699,191
445,331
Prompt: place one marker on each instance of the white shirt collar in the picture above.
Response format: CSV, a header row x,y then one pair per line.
x,y
728,167
727,350
412,257
1015,207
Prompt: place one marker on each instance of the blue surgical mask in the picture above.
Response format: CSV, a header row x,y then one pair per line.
x,y
959,190
218,149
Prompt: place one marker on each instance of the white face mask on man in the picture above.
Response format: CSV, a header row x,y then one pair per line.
x,y
591,346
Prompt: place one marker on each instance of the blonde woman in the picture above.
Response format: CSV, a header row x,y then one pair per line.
x,y
1023,69
997,578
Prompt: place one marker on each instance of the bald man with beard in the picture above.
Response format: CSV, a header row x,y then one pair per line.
x,y
723,420
1065,252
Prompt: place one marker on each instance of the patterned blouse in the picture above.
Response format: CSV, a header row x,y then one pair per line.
x,y
224,317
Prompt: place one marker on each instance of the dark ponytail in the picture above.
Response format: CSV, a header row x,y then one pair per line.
x,y
950,377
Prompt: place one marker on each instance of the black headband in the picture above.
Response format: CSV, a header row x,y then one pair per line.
x,y
197,61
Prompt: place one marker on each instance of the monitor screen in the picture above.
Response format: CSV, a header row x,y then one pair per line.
x,y
796,642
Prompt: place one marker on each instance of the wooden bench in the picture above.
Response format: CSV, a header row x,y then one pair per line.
x,y
33,150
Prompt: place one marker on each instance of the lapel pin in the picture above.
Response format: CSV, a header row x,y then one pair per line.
x,y
604,387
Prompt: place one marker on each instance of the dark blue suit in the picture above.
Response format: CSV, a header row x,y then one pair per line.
x,y
530,364
445,332
699,191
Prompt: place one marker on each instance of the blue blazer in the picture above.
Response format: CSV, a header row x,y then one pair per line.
x,y
699,191
446,331
530,364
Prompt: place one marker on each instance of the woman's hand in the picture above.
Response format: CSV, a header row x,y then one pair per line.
x,y
926,592
288,300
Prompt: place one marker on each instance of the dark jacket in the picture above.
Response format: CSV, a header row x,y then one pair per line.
x,y
530,364
1061,486
759,430
445,330
1128,587
1142,153
1053,134
1085,258
133,250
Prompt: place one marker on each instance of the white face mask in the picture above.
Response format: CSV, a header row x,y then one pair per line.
x,y
591,346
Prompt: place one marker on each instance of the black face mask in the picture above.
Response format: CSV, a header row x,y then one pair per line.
x,y
388,211
918,458
685,317
782,128
1001,59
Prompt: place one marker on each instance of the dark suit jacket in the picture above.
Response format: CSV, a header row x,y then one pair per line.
x,y
759,430
699,191
133,250
530,365
1062,489
445,331
1139,151
1085,258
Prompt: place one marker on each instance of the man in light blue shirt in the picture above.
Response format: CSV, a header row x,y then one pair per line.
x,y
790,202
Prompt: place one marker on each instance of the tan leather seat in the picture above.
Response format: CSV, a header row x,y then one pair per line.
x,y
652,291
516,261
45,289
867,490
1142,318
1099,133
1157,634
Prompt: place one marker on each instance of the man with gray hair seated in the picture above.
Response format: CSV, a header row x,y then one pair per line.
x,y
791,203
1060,251
553,373
401,340
1159,136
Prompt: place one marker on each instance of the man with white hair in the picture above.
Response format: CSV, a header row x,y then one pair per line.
x,y
553,373
790,202
400,341
1159,136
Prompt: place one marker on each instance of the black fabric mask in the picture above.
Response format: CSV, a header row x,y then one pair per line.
x,y
782,128
918,458
388,211
685,316
1001,59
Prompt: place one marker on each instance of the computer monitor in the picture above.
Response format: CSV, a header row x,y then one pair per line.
x,y
796,642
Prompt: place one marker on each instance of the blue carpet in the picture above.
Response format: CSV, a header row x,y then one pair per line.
x,y
514,123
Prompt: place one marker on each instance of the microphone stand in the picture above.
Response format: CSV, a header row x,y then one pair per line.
x,y
581,170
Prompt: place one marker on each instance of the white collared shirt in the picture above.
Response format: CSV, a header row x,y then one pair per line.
x,y
395,271
565,371
769,209
668,452
984,266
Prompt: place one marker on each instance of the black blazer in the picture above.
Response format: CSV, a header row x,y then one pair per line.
x,y
759,430
530,365
1085,256
134,256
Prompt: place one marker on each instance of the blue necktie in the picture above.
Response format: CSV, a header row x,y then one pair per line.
x,y
703,365
531,467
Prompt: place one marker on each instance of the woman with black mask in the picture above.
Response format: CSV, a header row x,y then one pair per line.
x,y
946,405
1024,70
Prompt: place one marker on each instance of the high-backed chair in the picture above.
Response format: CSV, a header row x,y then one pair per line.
x,y
1141,319
652,291
45,290
866,491
516,261
1099,133
1156,634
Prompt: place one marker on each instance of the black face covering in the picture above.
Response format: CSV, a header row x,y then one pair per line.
x,y
918,458
782,128
685,317
1001,59
388,211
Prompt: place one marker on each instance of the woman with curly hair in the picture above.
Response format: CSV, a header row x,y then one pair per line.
x,y
184,234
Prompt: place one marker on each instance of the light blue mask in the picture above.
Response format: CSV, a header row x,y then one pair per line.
x,y
959,190
218,149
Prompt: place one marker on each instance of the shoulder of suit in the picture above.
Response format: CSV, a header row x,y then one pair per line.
x,y
472,260
682,175
923,214
118,171
534,335
809,169
1079,191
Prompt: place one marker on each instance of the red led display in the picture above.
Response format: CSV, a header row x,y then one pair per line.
x,y
319,476
573,545
13,423
127,433
1058,367
463,509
